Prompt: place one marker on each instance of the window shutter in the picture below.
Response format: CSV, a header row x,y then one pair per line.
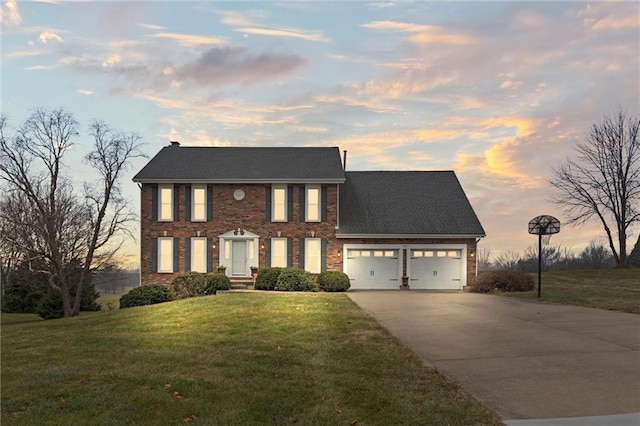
x,y
176,255
302,200
267,209
290,203
323,255
323,202
301,259
154,252
187,202
209,202
267,252
154,202
289,252
176,202
209,254
187,254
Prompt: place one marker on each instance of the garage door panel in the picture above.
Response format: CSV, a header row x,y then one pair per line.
x,y
435,269
373,268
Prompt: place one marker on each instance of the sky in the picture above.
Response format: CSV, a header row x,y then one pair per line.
x,y
499,92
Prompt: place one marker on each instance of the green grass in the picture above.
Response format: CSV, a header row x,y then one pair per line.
x,y
230,359
613,289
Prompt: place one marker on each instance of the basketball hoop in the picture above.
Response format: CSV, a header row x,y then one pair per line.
x,y
544,227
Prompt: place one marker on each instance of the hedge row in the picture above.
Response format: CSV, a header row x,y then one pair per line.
x,y
188,284
295,279
491,281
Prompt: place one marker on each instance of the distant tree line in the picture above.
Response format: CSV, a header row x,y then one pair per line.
x,y
596,255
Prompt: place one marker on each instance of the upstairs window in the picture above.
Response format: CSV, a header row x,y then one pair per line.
x,y
312,207
165,202
279,204
199,209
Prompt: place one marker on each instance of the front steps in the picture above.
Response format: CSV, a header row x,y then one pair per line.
x,y
241,283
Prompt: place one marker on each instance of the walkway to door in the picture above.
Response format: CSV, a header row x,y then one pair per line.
x,y
525,360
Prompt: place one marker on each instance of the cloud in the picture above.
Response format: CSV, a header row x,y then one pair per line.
x,y
190,39
151,27
277,32
38,68
9,14
617,22
85,91
227,65
23,53
47,36
381,5
112,60
422,34
243,24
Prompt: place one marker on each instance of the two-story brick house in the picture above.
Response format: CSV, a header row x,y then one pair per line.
x,y
241,207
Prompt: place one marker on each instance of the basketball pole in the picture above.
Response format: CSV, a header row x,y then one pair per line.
x,y
539,262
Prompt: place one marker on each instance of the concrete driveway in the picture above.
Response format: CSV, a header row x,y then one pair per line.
x,y
525,360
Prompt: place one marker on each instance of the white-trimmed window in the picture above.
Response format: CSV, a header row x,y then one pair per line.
x,y
165,254
279,204
312,255
199,203
312,201
199,254
165,202
278,252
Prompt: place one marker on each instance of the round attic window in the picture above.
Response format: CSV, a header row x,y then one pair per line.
x,y
238,194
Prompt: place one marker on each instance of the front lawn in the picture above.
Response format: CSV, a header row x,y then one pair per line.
x,y
230,359
614,289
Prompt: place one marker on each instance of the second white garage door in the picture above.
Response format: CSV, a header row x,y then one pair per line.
x,y
373,268
435,269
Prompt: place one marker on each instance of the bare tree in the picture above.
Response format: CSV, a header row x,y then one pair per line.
x,y
596,256
508,261
603,183
484,259
55,224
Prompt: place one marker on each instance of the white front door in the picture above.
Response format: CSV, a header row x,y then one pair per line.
x,y
239,258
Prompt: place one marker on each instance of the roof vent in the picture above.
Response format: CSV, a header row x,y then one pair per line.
x,y
175,143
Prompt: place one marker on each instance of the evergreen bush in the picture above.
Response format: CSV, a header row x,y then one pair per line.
x,y
188,284
145,295
333,281
295,279
214,282
267,278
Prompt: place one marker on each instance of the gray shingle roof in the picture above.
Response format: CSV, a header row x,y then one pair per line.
x,y
243,164
405,203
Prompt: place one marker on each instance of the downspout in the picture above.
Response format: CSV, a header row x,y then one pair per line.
x,y
140,253
476,256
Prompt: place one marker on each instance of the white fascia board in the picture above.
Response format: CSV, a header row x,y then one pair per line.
x,y
420,236
238,181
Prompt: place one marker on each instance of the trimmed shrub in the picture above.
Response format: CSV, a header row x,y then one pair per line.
x,y
295,279
188,284
490,281
333,281
267,278
214,282
145,295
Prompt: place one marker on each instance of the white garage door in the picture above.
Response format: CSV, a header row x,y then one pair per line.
x,y
373,268
435,269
